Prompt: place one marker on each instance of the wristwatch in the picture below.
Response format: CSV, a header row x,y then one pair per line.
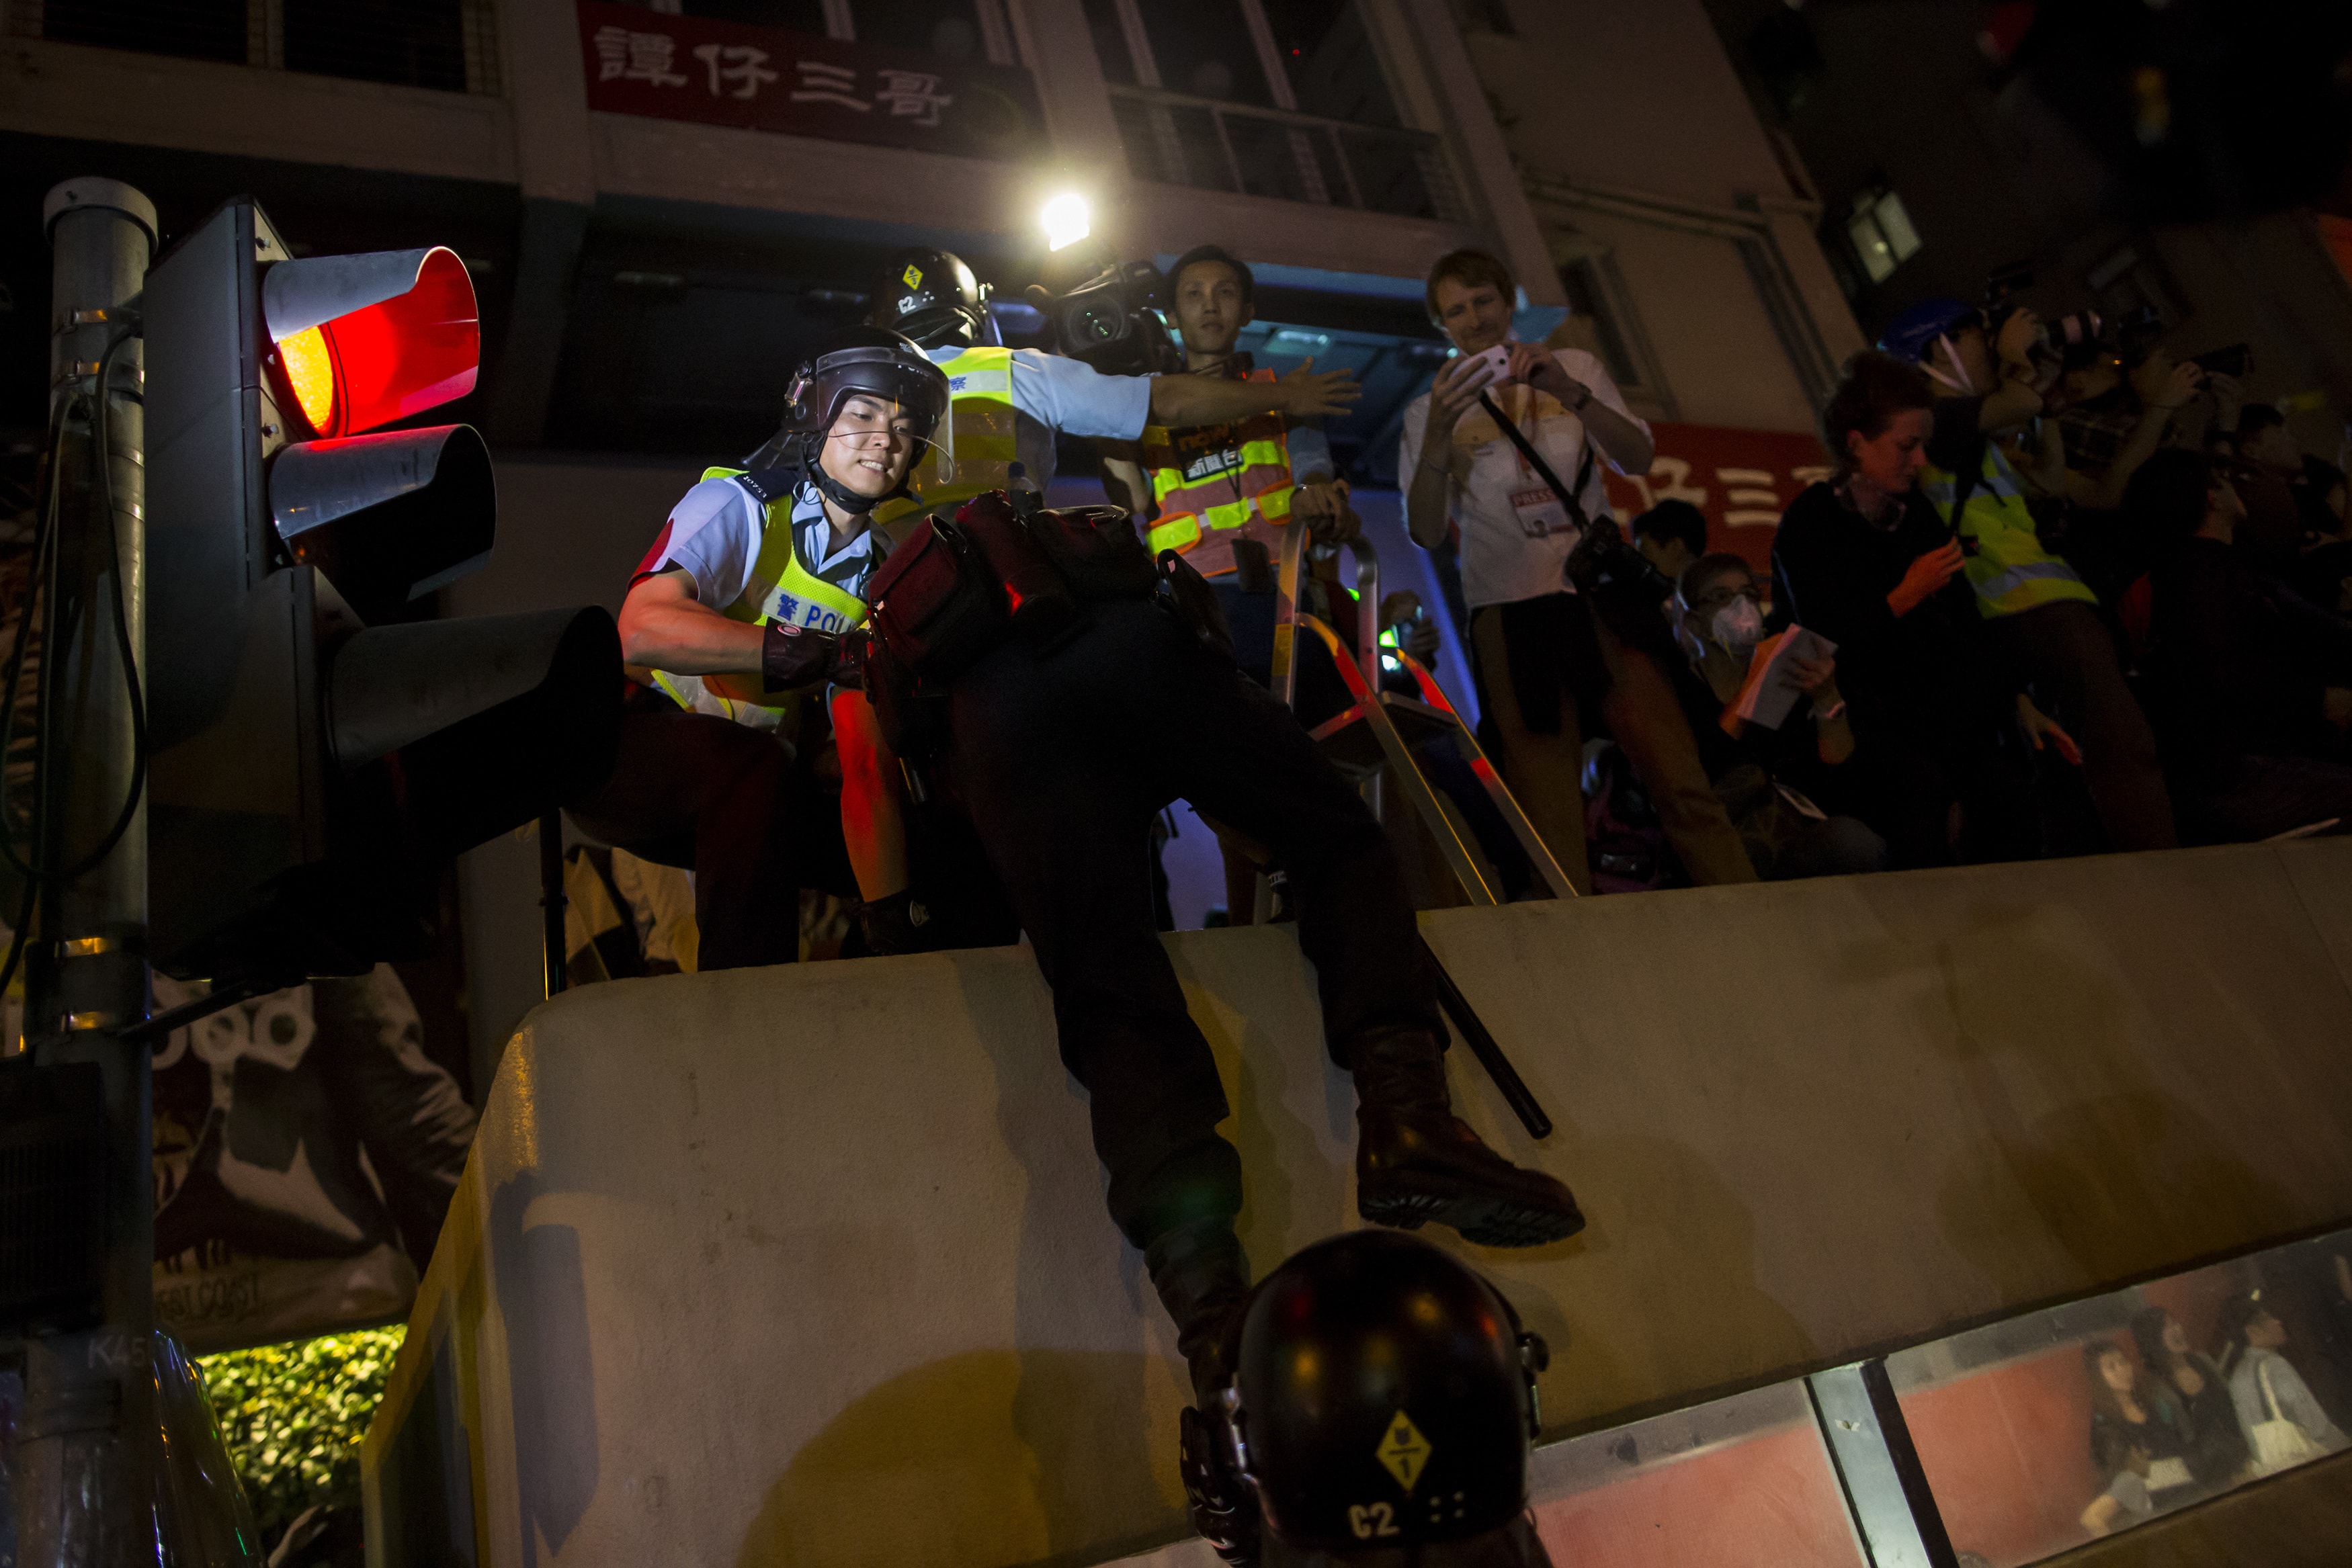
x,y
1578,405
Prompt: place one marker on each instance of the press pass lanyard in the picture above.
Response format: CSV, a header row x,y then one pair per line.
x,y
1567,498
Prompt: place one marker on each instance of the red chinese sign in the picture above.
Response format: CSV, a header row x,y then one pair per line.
x,y
762,78
1742,479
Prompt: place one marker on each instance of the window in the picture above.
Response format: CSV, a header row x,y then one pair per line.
x,y
1588,304
1206,48
1879,229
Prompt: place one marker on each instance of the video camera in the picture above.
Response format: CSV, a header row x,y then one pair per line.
x,y
1109,318
2080,337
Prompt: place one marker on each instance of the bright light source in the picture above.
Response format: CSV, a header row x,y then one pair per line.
x,y
1067,220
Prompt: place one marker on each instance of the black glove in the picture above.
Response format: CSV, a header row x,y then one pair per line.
x,y
894,924
794,656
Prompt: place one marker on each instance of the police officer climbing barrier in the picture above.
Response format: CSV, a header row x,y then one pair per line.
x,y
1071,686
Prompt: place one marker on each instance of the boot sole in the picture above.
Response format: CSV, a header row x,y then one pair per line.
x,y
1481,1217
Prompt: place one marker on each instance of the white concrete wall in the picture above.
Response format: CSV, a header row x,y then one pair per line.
x,y
809,1265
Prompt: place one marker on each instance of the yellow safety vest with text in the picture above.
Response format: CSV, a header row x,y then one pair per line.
x,y
781,589
972,452
1217,479
2009,570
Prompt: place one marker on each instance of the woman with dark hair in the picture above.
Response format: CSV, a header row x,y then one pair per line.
x,y
2139,1440
2217,1449
1864,560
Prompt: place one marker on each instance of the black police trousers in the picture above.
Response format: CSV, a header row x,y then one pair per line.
x,y
726,802
1061,761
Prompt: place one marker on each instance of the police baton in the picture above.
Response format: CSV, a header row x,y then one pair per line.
x,y
1483,1045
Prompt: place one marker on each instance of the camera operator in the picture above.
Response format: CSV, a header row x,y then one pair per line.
x,y
1379,1412
2043,617
1007,406
2263,441
1542,651
752,566
1226,490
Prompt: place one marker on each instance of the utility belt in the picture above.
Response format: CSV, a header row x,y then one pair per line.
x,y
1006,568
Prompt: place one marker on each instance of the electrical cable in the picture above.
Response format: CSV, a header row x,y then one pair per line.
x,y
44,562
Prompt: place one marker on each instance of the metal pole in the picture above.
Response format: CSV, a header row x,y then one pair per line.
x,y
551,901
87,1441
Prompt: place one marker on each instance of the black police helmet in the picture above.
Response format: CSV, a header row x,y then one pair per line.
x,y
868,360
1383,1396
933,298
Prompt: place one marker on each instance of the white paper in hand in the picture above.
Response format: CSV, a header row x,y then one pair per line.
x,y
1772,690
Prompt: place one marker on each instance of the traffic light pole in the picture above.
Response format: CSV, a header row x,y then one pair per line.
x,y
87,1441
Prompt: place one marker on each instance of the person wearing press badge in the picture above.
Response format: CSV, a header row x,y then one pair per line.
x,y
1506,447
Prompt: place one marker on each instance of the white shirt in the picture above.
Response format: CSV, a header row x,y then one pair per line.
x,y
1052,395
1490,488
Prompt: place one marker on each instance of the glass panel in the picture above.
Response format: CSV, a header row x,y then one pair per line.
x,y
949,28
1269,163
417,43
1333,70
2044,1432
1745,1482
1202,152
1389,175
191,29
1137,135
1203,47
1110,47
791,15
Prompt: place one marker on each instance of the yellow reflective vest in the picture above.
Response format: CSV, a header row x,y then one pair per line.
x,y
1214,483
2007,567
972,451
780,589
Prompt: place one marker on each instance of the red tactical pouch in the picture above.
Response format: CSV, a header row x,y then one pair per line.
x,y
1036,597
936,604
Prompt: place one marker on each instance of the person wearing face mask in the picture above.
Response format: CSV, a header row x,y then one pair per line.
x,y
1863,560
1547,660
1769,780
2042,619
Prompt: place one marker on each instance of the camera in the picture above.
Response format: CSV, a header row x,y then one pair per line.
x,y
1111,321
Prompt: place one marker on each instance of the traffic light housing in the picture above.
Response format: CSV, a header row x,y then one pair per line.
x,y
314,759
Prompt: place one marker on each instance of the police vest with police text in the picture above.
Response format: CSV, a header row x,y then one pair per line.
x,y
2009,567
1217,482
973,450
781,589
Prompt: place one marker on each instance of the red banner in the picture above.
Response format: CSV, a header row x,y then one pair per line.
x,y
763,79
1742,479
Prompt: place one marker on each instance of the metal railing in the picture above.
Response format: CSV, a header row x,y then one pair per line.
x,y
1174,140
449,45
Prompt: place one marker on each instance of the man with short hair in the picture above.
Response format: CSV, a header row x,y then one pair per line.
x,y
1219,492
1671,535
1544,657
2318,487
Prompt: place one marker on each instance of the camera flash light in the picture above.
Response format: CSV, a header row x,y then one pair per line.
x,y
1067,220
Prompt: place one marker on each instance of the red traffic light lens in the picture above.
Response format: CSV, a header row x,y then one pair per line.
x,y
364,340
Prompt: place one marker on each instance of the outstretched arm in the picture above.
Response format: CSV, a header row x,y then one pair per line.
x,y
1179,401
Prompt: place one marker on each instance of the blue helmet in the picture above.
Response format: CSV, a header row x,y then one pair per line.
x,y
1912,333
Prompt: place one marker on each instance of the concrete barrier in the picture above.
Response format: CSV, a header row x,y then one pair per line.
x,y
810,1266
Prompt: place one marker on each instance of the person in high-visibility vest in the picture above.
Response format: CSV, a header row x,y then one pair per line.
x,y
2041,617
1007,406
736,606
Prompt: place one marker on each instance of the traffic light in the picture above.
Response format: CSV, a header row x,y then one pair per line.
x,y
311,766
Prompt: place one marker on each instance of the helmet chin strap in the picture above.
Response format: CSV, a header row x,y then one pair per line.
x,y
833,489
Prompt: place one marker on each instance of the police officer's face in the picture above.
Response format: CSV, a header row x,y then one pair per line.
x,y
1210,310
869,446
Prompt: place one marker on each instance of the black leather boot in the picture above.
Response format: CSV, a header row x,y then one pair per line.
x,y
1203,1279
896,922
1417,1161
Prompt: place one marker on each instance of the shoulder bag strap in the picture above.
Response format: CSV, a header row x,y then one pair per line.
x,y
1534,460
2270,1395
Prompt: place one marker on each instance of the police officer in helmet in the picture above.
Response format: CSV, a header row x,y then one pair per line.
x,y
1379,1412
736,604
